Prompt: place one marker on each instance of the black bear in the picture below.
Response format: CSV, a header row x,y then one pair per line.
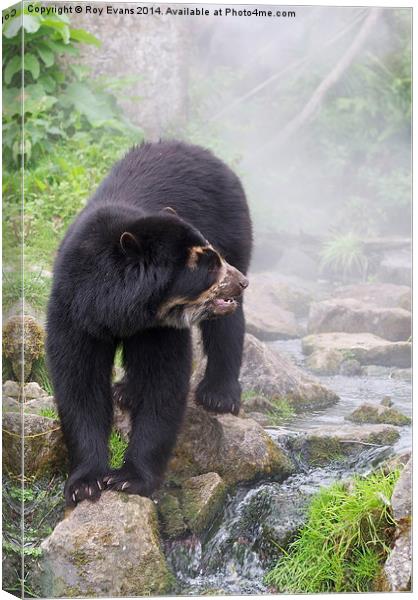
x,y
164,243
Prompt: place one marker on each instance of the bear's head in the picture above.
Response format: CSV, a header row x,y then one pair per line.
x,y
150,270
201,284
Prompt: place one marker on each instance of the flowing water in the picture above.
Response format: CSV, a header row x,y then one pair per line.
x,y
259,519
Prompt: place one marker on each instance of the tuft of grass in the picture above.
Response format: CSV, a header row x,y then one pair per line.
x,y
40,374
344,542
344,255
281,412
117,449
49,413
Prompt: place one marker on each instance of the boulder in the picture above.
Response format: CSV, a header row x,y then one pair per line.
x,y
108,548
12,389
43,448
23,344
33,390
371,413
327,351
272,374
202,498
283,292
384,295
396,576
324,445
237,449
354,316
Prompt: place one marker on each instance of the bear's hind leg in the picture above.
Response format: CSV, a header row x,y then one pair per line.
x,y
155,388
223,339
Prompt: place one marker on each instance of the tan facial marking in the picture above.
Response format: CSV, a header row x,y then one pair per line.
x,y
194,253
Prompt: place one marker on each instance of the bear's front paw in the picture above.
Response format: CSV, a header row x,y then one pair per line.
x,y
127,479
224,398
83,487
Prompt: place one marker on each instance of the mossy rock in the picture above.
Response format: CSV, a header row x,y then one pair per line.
x,y
202,498
107,548
23,338
368,413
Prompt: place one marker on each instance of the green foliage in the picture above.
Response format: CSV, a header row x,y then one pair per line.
x,y
49,413
57,188
40,374
344,542
344,256
58,97
282,411
117,447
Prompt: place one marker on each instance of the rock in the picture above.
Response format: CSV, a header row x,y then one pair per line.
x,y
33,391
327,351
403,374
41,405
324,445
353,316
281,292
398,567
43,449
11,405
171,515
107,548
396,267
384,295
369,413
235,448
272,374
23,338
397,571
203,497
350,368
269,308
402,496
13,389
386,401
260,418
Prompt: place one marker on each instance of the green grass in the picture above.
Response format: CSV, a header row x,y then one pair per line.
x,y
344,542
281,412
344,255
117,448
50,413
40,374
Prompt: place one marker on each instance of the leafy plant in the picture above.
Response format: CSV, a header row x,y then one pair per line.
x,y
57,98
344,256
282,411
344,542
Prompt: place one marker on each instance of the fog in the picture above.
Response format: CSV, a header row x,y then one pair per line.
x,y
313,112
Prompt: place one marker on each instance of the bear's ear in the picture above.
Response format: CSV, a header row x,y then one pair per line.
x,y
129,243
169,210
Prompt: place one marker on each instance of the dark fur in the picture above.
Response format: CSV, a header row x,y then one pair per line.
x,y
122,259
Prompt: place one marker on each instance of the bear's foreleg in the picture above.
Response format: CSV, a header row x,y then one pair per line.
x,y
155,389
223,338
81,369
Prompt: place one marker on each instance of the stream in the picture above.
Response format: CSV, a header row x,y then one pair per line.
x,y
233,556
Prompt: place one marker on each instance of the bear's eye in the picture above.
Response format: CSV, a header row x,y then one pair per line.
x,y
204,257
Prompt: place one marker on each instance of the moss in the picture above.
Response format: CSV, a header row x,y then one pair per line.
x,y
387,437
323,450
375,414
171,516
